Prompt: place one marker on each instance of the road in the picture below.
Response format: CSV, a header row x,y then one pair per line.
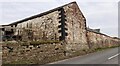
x,y
0,58
108,56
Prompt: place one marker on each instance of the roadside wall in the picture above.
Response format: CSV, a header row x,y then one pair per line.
x,y
57,34
98,40
64,25
19,53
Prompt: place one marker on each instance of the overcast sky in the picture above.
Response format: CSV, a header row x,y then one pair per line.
x,y
101,14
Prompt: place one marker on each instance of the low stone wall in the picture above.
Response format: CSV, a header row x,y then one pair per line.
x,y
27,53
98,40
43,53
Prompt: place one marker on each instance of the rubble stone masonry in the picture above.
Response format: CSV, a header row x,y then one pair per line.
x,y
53,35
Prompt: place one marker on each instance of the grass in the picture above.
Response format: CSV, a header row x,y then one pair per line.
x,y
43,42
25,43
100,49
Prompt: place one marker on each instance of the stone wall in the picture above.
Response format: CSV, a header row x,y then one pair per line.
x,y
40,28
76,25
32,54
65,23
99,40
53,35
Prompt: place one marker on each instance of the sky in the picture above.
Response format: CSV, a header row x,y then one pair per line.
x,y
101,14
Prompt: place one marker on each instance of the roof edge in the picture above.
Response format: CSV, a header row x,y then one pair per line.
x,y
41,14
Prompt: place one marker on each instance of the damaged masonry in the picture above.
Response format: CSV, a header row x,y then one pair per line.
x,y
57,32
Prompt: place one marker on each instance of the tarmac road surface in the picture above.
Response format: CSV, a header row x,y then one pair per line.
x,y
108,56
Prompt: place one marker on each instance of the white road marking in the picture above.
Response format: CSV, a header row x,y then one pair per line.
x,y
113,56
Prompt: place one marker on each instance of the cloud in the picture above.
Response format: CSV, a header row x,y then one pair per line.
x,y
27,0
111,31
101,15
15,11
66,1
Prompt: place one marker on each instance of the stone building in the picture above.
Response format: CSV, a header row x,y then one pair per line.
x,y
64,28
65,23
